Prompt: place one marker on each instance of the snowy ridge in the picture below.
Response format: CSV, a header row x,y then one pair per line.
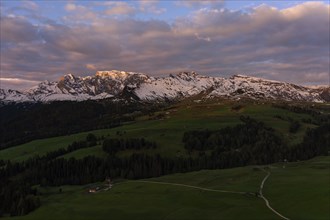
x,y
119,84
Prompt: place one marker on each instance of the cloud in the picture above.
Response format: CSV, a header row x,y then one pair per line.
x,y
201,3
78,14
120,8
24,6
290,44
151,6
22,84
91,66
70,7
30,5
16,29
131,8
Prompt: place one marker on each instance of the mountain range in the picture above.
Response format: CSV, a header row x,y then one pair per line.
x,y
138,86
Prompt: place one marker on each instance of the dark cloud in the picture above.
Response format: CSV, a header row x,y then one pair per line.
x,y
17,30
290,44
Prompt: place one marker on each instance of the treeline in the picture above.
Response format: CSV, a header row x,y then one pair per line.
x,y
60,171
248,143
246,134
23,122
113,145
17,197
316,142
317,117
90,141
56,172
294,124
254,143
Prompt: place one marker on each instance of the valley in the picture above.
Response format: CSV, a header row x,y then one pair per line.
x,y
296,190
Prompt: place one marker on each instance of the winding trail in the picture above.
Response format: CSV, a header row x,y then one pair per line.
x,y
189,186
222,191
266,200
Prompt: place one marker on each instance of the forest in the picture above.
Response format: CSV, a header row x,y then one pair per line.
x,y
249,143
23,122
113,145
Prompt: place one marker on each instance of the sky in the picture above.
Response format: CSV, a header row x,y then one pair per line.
x,y
279,40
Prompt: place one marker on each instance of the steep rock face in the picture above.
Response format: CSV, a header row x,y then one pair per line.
x,y
110,82
183,84
120,84
324,92
268,89
12,95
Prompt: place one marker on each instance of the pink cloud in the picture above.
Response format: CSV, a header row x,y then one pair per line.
x,y
290,44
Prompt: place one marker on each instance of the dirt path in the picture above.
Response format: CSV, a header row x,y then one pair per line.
x,y
222,191
266,200
189,186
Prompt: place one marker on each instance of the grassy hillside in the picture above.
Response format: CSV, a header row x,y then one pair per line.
x,y
81,153
301,189
297,190
167,127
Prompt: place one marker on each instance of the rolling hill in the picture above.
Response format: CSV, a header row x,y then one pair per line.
x,y
53,175
298,191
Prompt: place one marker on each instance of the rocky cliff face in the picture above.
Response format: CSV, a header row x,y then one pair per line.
x,y
115,84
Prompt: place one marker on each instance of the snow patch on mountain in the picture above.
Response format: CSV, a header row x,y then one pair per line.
x,y
114,83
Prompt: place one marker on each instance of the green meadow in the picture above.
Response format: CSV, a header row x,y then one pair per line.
x,y
298,190
167,130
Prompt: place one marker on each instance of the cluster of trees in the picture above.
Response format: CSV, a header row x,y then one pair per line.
x,y
113,145
237,107
245,144
294,124
23,122
251,135
90,141
254,143
316,142
17,198
316,118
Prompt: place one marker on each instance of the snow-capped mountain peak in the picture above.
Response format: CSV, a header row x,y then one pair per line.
x,y
114,83
114,74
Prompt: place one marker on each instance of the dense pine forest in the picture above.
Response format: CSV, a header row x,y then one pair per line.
x,y
23,122
248,143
